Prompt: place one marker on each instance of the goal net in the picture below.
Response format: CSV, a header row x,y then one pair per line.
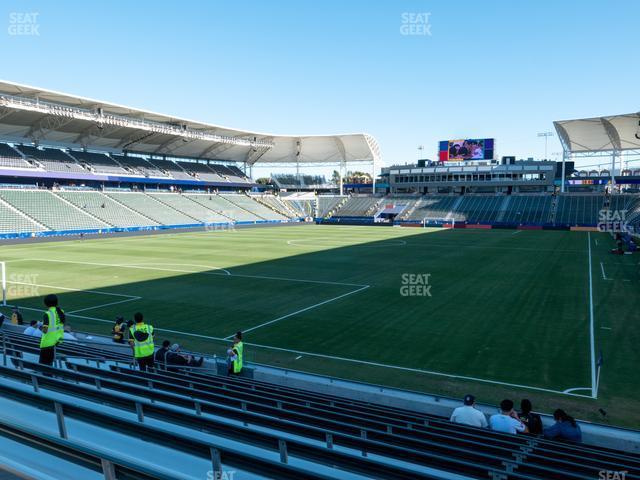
x,y
442,222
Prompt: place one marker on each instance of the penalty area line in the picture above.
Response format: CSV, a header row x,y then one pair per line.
x,y
302,310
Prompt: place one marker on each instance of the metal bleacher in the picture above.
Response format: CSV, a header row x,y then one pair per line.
x,y
183,424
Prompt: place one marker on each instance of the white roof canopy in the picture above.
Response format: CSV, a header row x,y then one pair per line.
x,y
30,114
601,134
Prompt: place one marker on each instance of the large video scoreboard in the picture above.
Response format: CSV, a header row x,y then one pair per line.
x,y
465,150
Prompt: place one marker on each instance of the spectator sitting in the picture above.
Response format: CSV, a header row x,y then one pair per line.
x,y
172,356
33,330
507,420
565,428
531,420
118,330
468,414
161,353
16,316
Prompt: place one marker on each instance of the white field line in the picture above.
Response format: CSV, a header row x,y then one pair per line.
x,y
605,328
594,393
350,360
517,231
103,305
139,267
161,264
317,243
301,310
128,298
569,390
604,275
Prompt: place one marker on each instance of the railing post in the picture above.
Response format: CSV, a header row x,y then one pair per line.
x,y
98,384
139,412
329,440
363,435
4,350
198,407
34,382
284,456
150,385
216,462
108,469
62,428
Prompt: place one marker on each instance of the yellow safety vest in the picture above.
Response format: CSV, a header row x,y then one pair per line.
x,y
237,363
145,348
55,330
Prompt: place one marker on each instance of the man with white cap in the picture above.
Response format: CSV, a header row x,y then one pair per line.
x,y
468,414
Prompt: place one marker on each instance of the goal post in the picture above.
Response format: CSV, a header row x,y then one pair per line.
x,y
438,222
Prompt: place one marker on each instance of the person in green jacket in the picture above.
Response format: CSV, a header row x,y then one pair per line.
x,y
52,329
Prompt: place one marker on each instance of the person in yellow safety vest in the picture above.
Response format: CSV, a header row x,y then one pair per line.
x,y
141,340
235,355
52,329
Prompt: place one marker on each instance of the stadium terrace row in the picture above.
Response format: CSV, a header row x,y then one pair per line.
x,y
21,157
563,210
29,210
191,421
34,211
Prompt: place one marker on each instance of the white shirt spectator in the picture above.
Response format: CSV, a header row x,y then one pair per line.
x,y
32,331
506,424
467,415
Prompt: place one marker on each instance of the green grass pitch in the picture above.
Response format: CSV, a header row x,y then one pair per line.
x,y
505,313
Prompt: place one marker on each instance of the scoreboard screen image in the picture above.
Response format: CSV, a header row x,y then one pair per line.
x,y
466,149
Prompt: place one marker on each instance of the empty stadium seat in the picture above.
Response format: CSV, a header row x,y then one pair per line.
x,y
152,208
50,210
52,159
106,209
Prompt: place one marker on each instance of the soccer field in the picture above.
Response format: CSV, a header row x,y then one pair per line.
x,y
492,312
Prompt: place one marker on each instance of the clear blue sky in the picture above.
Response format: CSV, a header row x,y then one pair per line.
x,y
503,69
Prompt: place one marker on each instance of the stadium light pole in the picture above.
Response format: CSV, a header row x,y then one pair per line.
x,y
546,136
